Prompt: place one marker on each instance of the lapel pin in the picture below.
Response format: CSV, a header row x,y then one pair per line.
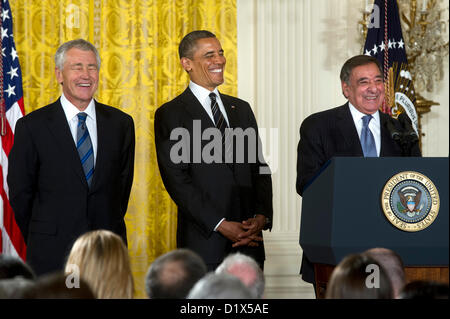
x,y
232,106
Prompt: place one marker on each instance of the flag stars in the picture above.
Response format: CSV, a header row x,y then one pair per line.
x,y
5,14
400,43
367,53
375,49
382,46
13,53
10,90
4,33
13,72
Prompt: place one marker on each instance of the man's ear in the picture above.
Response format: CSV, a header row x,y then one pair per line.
x,y
58,74
345,89
186,64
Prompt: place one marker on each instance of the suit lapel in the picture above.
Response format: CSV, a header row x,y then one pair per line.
x,y
195,109
102,140
57,123
231,111
347,128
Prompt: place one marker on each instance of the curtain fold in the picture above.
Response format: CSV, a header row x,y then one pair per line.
x,y
138,44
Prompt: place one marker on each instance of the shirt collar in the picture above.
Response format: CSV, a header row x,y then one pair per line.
x,y
357,115
71,110
201,93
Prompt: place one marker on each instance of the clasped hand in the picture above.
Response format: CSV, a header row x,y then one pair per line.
x,y
245,233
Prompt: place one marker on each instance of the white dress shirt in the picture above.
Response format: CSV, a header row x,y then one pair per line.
x,y
374,125
72,119
202,96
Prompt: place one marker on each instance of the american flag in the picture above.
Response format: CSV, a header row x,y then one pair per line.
x,y
385,42
11,109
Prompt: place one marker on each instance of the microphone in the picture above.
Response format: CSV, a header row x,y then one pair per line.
x,y
409,133
395,134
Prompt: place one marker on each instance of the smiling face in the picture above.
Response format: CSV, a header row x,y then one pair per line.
x,y
79,77
365,90
207,65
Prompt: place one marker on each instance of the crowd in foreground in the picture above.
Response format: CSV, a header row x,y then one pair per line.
x,y
98,267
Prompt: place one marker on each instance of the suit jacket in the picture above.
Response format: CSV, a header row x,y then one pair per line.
x,y
52,202
333,133
207,192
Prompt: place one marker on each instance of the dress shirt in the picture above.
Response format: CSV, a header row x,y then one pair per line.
x,y
202,96
71,112
374,125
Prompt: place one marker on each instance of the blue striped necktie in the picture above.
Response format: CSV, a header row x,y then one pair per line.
x,y
84,147
367,139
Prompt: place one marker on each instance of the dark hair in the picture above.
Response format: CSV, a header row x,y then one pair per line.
x,y
54,286
173,274
356,61
11,267
423,289
349,280
187,45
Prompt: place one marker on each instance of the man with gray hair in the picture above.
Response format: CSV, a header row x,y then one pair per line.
x,y
71,165
172,275
247,270
219,286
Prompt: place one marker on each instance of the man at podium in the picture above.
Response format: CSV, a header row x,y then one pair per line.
x,y
356,128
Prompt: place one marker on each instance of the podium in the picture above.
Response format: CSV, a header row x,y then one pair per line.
x,y
342,214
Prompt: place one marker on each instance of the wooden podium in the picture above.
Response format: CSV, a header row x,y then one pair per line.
x,y
342,215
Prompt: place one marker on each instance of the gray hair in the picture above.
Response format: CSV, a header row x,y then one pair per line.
x,y
60,55
219,286
247,270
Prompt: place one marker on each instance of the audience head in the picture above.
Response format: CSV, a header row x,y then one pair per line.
x,y
173,274
13,288
392,264
11,267
56,286
219,286
359,276
422,289
100,257
247,270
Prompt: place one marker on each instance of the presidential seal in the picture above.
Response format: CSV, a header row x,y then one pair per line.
x,y
410,201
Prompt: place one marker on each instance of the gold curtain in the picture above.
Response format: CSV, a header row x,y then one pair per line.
x,y
138,45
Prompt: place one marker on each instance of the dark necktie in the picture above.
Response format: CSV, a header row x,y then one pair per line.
x,y
221,124
84,147
219,120
367,140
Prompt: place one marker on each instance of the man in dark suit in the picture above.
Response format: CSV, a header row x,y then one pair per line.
x,y
337,132
71,165
222,204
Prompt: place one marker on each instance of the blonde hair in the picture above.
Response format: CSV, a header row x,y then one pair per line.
x,y
102,259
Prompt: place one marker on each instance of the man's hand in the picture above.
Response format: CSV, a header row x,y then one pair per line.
x,y
235,231
253,226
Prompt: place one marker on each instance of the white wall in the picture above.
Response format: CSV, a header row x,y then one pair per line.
x,y
289,57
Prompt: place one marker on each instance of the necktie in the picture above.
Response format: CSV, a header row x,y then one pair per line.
x,y
221,124
84,147
219,120
367,140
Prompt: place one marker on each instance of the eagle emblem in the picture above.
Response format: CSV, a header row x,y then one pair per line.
x,y
410,200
